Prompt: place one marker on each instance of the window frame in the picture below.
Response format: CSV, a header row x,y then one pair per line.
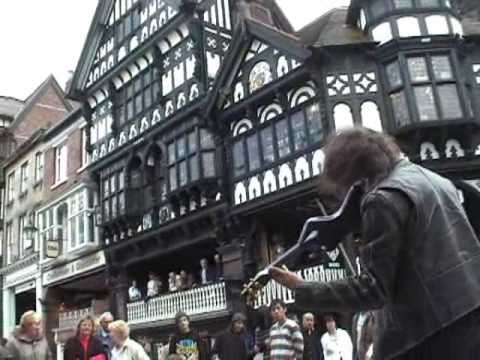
x,y
24,178
39,167
11,187
61,168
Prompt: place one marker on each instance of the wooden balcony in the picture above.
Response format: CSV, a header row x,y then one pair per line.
x,y
70,319
195,302
273,290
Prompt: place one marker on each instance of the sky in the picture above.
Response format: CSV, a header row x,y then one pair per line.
x,y
43,37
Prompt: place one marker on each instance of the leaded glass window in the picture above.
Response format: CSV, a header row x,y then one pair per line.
x,y
425,103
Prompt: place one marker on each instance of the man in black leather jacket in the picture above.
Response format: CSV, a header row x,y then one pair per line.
x,y
420,255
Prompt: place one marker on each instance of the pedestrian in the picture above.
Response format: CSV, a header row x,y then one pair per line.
x,y
154,286
420,255
125,348
84,345
186,341
312,347
336,342
104,333
262,333
363,331
27,341
4,353
286,340
134,293
232,344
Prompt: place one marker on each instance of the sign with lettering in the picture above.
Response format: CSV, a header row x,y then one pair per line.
x,y
74,268
21,276
53,249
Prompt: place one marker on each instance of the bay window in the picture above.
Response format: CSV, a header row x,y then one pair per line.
x,y
434,91
191,157
113,195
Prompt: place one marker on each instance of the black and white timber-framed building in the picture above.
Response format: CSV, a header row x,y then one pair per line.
x,y
207,120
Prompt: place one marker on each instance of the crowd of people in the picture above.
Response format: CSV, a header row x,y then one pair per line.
x,y
178,281
276,338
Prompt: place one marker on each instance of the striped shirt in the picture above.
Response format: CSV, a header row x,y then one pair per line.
x,y
286,341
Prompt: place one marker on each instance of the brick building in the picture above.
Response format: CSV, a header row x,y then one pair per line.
x,y
23,194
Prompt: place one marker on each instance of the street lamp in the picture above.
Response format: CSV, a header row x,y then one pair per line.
x,y
29,231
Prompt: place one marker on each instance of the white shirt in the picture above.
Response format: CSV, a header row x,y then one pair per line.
x,y
153,287
130,350
134,294
204,277
337,346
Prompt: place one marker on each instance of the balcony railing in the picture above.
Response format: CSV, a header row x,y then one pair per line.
x,y
202,300
70,319
273,290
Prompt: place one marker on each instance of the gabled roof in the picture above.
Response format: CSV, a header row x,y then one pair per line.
x,y
50,82
332,29
93,39
249,30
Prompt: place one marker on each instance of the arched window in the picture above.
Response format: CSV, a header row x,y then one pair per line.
x,y
382,33
371,116
437,25
342,115
408,26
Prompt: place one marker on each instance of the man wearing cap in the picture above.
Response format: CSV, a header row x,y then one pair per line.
x,y
232,344
186,341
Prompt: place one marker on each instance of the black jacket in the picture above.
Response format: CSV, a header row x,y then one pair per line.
x,y
312,345
74,350
421,262
230,346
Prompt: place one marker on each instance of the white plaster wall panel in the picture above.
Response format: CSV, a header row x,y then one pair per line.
x,y
179,75
453,148
191,61
302,169
254,188
213,64
317,162
428,151
269,182
239,92
240,193
282,66
285,176
167,83
194,92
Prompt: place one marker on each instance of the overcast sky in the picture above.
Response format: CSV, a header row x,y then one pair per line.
x,y
41,37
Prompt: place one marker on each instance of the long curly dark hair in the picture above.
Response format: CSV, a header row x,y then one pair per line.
x,y
353,155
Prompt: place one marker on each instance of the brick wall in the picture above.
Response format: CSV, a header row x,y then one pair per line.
x,y
48,110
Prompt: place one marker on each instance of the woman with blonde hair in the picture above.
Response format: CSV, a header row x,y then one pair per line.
x,y
27,341
84,345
